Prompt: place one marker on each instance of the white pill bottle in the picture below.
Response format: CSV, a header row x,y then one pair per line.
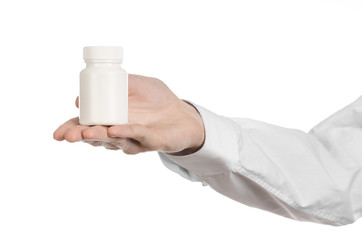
x,y
103,97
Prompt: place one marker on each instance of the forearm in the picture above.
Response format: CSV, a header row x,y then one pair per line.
x,y
285,171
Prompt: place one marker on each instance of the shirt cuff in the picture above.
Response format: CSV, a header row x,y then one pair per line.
x,y
219,154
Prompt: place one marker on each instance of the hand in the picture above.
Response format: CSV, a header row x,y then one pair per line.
x,y
157,121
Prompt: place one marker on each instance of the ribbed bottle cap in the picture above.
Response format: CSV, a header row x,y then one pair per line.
x,y
103,53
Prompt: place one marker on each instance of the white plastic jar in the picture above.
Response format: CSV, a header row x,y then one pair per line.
x,y
103,97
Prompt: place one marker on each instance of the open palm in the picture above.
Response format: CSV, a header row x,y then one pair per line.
x,y
157,120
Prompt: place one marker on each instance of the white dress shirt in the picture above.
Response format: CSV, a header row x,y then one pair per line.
x,y
313,176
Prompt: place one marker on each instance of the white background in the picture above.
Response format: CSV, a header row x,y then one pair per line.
x,y
290,63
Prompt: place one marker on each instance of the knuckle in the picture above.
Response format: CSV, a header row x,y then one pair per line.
x,y
71,138
112,131
87,134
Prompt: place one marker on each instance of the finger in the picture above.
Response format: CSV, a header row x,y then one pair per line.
x,y
128,145
95,132
94,143
131,146
110,146
77,102
146,136
124,137
74,134
59,133
117,141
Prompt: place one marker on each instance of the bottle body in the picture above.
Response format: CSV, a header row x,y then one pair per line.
x,y
103,97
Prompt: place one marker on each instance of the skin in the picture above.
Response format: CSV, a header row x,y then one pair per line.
x,y
157,121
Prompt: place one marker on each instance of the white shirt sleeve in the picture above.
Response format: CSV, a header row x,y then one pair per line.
x,y
313,176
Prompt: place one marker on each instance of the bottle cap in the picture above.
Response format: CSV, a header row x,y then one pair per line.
x,y
103,53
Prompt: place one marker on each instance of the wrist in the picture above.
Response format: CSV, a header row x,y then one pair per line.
x,y
198,136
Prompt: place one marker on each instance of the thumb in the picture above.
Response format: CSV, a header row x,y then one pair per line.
x,y
77,102
147,137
